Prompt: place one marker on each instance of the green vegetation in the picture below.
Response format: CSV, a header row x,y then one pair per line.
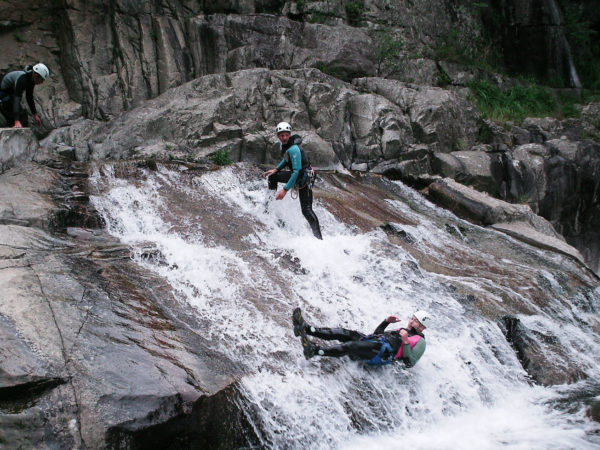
x,y
355,10
388,52
222,157
453,49
301,4
332,70
443,78
18,36
519,102
321,16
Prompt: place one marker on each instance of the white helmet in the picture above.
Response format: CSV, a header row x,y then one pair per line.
x,y
283,126
423,317
41,70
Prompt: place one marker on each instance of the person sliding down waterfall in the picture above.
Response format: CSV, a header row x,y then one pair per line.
x,y
380,348
301,175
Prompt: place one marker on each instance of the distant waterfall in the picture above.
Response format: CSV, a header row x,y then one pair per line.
x,y
566,48
242,261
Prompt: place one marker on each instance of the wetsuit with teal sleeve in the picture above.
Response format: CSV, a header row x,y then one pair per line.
x,y
293,158
359,346
297,160
12,88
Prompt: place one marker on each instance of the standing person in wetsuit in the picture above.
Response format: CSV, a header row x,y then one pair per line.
x,y
295,158
13,85
404,344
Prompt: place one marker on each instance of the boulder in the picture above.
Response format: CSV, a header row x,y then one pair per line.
x,y
526,174
16,146
519,221
591,113
532,347
478,169
379,128
439,118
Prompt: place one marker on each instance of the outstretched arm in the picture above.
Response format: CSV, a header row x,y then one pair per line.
x,y
383,325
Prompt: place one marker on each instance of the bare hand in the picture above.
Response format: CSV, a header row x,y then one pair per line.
x,y
268,173
280,194
392,319
38,121
17,124
404,336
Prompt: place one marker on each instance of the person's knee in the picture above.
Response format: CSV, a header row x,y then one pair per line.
x,y
272,182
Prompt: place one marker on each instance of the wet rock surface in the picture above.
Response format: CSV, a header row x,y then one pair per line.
x,y
16,146
92,344
109,353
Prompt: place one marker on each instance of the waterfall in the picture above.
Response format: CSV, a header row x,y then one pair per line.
x,y
566,48
242,261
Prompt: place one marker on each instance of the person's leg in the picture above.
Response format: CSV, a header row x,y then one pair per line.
x,y
334,334
6,109
306,200
283,176
363,350
329,334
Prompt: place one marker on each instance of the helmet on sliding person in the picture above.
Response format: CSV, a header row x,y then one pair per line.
x,y
283,126
423,317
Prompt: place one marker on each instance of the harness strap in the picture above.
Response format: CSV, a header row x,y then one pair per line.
x,y
309,176
379,360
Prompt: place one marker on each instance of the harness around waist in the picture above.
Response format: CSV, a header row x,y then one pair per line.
x,y
386,353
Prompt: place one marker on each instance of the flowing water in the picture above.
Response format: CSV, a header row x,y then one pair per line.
x,y
243,261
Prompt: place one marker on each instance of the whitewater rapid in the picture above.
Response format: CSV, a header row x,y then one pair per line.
x,y
468,390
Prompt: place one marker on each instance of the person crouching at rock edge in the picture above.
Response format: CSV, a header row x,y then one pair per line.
x,y
299,176
11,91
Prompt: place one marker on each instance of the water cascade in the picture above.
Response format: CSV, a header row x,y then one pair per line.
x,y
242,261
564,44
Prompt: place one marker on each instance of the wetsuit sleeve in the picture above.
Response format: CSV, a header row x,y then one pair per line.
x,y
296,159
281,165
382,326
19,85
410,356
29,97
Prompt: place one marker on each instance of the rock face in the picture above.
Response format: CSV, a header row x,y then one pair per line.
x,y
113,56
518,221
79,322
539,23
531,350
16,146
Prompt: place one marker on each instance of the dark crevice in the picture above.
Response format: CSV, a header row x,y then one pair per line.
x,y
14,399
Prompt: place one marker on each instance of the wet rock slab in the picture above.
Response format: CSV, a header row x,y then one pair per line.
x,y
16,145
91,342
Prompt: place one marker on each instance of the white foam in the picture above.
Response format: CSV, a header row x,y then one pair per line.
x,y
468,390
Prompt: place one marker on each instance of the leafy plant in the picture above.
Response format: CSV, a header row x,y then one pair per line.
x,y
355,10
222,157
321,16
443,79
388,52
18,36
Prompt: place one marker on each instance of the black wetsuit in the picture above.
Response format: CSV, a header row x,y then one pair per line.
x,y
304,186
357,345
11,91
